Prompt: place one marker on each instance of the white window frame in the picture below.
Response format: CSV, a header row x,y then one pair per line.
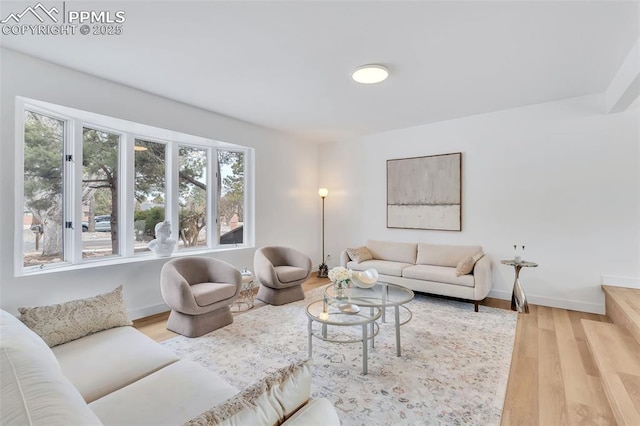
x,y
74,121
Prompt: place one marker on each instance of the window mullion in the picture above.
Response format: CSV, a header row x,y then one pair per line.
x,y
212,194
172,178
249,184
73,187
127,195
19,186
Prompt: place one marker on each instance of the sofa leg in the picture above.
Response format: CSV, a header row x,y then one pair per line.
x,y
475,305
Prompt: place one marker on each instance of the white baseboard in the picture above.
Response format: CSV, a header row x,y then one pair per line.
x,y
594,308
500,294
148,311
617,281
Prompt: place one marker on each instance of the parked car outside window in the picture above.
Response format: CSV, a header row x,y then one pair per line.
x,y
102,224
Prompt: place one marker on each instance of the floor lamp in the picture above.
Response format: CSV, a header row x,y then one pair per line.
x,y
323,269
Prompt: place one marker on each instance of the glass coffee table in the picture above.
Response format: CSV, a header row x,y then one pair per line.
x,y
328,314
381,296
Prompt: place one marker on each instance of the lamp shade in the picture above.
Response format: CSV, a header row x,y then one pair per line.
x,y
323,192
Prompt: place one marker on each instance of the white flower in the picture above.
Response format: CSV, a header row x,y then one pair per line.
x,y
339,274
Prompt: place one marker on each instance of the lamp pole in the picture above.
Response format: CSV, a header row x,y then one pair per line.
x,y
323,269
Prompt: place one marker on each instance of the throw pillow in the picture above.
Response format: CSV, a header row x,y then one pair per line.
x,y
62,323
466,265
359,254
271,399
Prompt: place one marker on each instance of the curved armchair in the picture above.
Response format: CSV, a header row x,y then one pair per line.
x,y
281,272
199,291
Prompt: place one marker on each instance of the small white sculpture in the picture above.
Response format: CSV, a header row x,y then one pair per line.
x,y
162,246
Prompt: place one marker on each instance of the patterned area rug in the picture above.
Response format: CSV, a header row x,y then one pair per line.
x,y
453,369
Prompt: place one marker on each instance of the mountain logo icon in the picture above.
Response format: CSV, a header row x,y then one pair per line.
x,y
38,11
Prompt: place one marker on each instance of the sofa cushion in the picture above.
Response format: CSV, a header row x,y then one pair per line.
x,y
209,293
318,412
466,265
268,401
287,274
109,360
171,396
33,389
441,274
444,255
384,267
61,323
396,252
359,254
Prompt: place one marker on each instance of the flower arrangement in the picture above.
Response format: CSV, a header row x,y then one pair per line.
x,y
340,276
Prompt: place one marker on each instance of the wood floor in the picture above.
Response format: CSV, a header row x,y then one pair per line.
x,y
553,378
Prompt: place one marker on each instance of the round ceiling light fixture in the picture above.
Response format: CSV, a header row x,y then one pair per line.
x,y
371,73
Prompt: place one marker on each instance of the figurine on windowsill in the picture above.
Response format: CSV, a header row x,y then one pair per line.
x,y
162,246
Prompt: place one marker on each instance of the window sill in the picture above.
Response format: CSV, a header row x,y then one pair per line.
x,y
143,257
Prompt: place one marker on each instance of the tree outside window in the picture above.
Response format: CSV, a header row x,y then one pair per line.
x,y
43,181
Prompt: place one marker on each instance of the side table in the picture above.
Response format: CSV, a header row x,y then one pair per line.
x,y
244,301
518,297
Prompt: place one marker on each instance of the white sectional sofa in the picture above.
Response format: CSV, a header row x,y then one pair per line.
x,y
427,268
121,377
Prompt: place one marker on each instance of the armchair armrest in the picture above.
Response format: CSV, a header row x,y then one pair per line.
x,y
298,259
175,290
264,270
220,271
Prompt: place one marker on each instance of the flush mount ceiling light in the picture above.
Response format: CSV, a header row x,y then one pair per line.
x,y
371,73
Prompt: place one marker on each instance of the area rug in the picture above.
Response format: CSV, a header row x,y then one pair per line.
x,y
453,369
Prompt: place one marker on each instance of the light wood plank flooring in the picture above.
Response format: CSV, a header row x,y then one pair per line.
x,y
617,355
553,378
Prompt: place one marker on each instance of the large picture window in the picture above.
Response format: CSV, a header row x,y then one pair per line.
x,y
93,189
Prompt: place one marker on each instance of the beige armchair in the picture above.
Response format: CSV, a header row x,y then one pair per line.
x,y
199,291
281,272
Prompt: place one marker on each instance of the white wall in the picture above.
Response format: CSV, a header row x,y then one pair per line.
x,y
563,178
287,205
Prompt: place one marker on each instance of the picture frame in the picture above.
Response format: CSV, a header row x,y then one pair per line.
x,y
425,192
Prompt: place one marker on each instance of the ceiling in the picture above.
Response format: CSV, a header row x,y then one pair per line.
x,y
287,65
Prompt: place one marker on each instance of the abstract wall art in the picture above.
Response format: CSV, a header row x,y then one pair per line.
x,y
425,192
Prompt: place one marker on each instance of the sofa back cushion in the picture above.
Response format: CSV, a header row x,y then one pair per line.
x,y
397,252
444,255
34,391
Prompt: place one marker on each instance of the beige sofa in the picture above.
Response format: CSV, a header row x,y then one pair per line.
x,y
427,268
121,377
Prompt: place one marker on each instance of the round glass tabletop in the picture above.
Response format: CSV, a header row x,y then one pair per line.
x,y
333,315
380,295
